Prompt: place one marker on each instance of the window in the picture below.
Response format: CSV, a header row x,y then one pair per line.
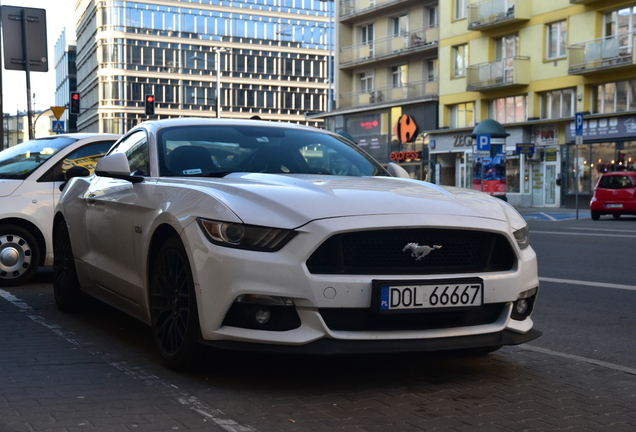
x,y
432,16
615,97
431,72
461,115
621,23
366,34
400,26
135,147
508,110
398,76
460,58
558,104
366,82
556,39
460,9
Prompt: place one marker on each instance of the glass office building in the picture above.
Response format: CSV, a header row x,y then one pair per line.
x,y
271,56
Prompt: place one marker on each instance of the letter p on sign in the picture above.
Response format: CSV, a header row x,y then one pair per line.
x,y
483,142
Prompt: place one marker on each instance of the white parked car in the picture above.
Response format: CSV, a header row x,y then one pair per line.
x,y
238,235
30,176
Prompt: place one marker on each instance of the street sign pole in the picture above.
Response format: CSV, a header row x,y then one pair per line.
x,y
578,123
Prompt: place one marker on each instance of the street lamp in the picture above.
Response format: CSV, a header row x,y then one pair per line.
x,y
217,61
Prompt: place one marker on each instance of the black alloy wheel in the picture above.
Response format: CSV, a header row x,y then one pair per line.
x,y
66,287
19,255
175,320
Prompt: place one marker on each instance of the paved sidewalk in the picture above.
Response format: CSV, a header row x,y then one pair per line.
x,y
55,377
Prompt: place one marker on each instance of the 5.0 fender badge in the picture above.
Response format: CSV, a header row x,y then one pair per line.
x,y
418,251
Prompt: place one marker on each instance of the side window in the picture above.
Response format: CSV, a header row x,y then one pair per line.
x,y
86,156
135,147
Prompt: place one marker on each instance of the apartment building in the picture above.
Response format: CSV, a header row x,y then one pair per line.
x,y
16,126
65,77
531,65
265,59
387,79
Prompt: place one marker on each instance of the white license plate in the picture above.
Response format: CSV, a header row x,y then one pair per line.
x,y
439,295
613,205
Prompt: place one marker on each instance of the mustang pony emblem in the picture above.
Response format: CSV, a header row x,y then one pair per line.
x,y
418,251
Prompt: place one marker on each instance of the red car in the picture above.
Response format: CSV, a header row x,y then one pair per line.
x,y
615,194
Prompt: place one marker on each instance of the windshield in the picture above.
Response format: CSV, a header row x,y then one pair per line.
x,y
19,161
219,150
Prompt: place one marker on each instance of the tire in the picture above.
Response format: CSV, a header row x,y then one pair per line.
x,y
173,308
616,216
19,255
66,286
595,215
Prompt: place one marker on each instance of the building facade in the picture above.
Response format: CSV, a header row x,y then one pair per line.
x,y
16,126
387,79
270,57
531,65
65,77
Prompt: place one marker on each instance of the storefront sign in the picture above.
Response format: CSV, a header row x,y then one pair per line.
x,y
545,135
605,128
463,141
405,129
403,156
525,148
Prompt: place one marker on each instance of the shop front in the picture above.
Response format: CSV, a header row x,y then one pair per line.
x,y
393,134
609,144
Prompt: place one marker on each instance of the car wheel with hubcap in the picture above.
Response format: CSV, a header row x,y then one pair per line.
x,y
19,255
66,287
173,307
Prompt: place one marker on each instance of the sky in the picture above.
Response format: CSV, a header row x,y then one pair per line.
x,y
60,14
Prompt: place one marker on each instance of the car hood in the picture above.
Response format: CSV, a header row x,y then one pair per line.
x,y
7,187
289,201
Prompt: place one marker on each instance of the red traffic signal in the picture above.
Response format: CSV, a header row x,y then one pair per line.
x,y
150,104
74,105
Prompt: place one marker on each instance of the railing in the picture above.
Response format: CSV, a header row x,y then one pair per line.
x,y
410,90
350,7
607,52
490,12
498,73
414,40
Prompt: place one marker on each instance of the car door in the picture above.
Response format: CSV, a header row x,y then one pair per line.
x,y
110,213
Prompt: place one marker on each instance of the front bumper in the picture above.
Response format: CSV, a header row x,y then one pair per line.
x,y
335,346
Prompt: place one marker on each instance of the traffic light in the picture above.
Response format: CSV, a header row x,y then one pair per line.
x,y
150,104
75,103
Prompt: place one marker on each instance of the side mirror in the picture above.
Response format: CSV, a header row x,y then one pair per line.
x,y
116,166
74,171
397,171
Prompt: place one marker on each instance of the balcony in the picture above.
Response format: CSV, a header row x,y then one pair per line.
x,y
488,14
410,90
419,41
497,74
354,8
598,55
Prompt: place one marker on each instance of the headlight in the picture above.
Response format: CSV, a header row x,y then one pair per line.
x,y
522,236
241,236
518,224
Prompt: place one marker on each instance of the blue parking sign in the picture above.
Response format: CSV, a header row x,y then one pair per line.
x,y
483,142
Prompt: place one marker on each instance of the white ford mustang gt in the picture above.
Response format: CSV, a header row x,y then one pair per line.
x,y
251,235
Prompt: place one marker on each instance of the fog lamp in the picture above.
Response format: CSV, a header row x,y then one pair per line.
x,y
521,306
262,315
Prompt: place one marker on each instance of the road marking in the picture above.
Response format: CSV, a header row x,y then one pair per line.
x,y
170,390
601,363
548,216
582,234
594,284
602,229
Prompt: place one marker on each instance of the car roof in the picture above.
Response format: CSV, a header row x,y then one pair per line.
x,y
199,121
617,173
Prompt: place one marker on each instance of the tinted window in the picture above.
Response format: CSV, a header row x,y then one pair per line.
x,y
616,182
135,147
19,161
218,150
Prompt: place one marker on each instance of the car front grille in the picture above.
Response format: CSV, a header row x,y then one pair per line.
x,y
382,252
350,319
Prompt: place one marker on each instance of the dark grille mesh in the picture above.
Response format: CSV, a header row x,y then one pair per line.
x,y
365,320
381,252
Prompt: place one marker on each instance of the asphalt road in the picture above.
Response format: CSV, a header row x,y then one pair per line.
x,y
587,297
98,371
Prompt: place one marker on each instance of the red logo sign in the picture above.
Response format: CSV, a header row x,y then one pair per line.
x,y
405,129
406,155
